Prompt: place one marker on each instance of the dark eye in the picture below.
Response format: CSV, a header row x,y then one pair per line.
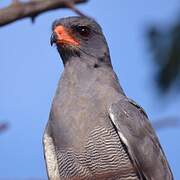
x,y
83,30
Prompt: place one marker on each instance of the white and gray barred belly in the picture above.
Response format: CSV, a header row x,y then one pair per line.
x,y
104,158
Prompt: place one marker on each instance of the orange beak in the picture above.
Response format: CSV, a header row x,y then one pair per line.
x,y
62,36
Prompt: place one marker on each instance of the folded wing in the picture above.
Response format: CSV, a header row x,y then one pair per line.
x,y
135,131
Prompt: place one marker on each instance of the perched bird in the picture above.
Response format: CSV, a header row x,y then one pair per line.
x,y
94,131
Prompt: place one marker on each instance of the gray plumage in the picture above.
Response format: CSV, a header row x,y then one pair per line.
x,y
94,131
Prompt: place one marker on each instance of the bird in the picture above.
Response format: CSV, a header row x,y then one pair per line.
x,y
94,131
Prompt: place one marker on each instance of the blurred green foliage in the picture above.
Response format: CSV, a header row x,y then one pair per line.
x,y
165,46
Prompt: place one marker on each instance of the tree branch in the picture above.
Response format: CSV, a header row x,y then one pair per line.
x,y
33,8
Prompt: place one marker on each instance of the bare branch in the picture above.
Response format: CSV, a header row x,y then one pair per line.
x,y
73,8
33,8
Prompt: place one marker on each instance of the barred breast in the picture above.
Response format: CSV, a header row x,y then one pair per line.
x,y
104,158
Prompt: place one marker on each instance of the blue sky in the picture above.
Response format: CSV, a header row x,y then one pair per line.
x,y
30,69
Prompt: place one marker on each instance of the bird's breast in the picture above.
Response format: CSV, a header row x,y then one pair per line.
x,y
86,143
103,157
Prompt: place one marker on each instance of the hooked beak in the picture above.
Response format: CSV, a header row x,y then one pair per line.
x,y
53,38
61,36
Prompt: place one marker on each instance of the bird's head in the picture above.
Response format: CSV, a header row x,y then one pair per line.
x,y
79,36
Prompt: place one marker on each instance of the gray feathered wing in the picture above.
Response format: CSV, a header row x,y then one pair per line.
x,y
134,130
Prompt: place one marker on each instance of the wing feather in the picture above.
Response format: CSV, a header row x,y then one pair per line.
x,y
136,132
